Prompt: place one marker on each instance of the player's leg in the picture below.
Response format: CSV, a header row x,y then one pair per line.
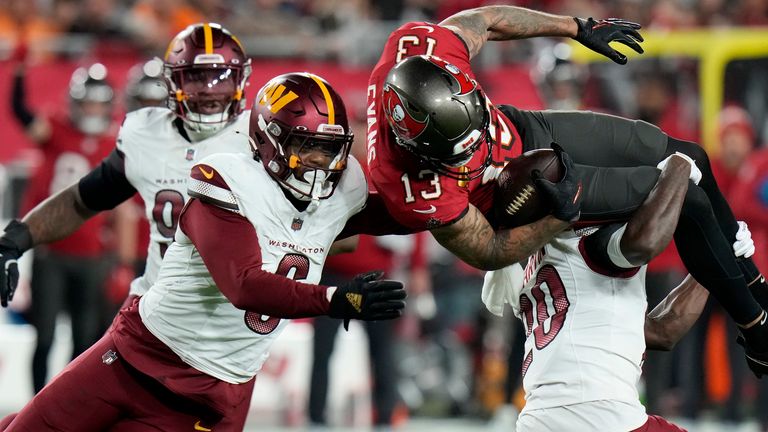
x,y
86,395
723,213
658,424
47,289
7,420
84,290
323,342
381,336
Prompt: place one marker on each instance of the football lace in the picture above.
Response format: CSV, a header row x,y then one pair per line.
x,y
520,199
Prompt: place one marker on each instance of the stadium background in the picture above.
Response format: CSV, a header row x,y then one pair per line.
x,y
703,77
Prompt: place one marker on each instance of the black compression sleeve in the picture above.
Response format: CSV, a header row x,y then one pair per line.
x,y
18,101
106,186
596,246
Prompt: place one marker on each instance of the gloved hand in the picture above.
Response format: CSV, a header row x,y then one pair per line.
x,y
596,35
744,246
369,298
758,365
695,175
13,243
565,195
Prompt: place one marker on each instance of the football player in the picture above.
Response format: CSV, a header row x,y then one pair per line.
x,y
206,69
69,272
436,143
584,352
184,355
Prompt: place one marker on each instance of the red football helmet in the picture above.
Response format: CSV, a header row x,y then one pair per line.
x,y
300,132
206,69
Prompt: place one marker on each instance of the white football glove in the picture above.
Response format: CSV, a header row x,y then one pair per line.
x,y
743,246
695,171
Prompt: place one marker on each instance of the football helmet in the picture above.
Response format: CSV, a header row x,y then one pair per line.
x,y
206,70
146,86
90,99
437,112
299,130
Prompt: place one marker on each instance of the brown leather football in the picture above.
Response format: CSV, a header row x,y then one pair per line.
x,y
517,200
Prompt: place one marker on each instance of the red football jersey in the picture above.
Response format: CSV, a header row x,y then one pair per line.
x,y
415,195
67,156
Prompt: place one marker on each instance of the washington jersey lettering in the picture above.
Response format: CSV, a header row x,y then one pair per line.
x,y
157,163
415,195
572,310
185,309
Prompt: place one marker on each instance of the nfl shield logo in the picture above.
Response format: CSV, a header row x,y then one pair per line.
x,y
296,224
190,154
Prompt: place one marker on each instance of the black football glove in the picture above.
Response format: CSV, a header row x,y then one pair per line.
x,y
596,35
758,364
13,243
565,195
369,298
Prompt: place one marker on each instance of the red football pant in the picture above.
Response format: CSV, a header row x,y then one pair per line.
x,y
92,395
658,424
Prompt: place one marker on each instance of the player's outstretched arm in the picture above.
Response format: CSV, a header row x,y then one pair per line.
x,y
671,319
473,239
239,275
476,26
57,217
53,219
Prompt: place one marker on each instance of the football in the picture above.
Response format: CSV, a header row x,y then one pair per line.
x,y
517,201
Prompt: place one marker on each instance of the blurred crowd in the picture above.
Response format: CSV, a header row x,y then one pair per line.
x,y
328,29
447,356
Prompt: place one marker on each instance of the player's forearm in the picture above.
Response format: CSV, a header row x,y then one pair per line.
x,y
237,271
674,316
473,240
57,217
476,26
651,227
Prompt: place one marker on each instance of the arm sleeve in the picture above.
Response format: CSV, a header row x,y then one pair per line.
x,y
596,251
237,271
106,186
19,103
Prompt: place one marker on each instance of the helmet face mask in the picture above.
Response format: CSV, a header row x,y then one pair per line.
x,y
438,113
206,70
90,100
299,131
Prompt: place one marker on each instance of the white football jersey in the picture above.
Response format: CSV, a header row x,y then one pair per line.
x,y
585,332
157,163
186,310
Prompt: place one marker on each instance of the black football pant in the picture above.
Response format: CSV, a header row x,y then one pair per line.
x,y
617,160
64,282
381,339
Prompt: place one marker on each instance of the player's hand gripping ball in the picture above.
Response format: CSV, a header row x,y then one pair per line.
x,y
518,201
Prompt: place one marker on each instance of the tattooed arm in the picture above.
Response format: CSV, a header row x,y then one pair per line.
x,y
472,239
58,216
476,26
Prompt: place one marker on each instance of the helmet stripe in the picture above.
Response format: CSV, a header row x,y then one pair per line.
x,y
170,46
208,34
327,96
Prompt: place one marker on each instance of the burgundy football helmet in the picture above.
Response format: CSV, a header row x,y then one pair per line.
x,y
438,113
206,69
295,116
